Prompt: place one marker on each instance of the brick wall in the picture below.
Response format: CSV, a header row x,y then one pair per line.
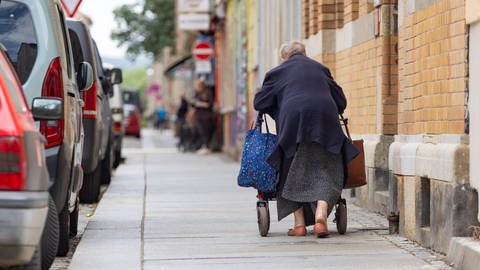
x,y
367,69
356,72
351,10
433,70
413,84
365,6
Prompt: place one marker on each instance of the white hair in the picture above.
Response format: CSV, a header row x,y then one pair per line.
x,y
291,48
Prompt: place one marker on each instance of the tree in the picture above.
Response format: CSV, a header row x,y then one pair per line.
x,y
145,27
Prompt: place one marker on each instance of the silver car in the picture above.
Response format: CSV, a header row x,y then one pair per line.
x,y
37,41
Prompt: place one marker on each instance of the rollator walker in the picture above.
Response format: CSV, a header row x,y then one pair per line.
x,y
263,211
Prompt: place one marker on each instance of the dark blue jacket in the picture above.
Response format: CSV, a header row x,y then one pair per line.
x,y
305,101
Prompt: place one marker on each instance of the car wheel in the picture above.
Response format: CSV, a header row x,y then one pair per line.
x,y
107,165
117,159
64,231
74,219
91,186
49,241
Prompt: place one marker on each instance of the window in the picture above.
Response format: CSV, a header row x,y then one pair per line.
x,y
76,50
18,36
13,87
99,61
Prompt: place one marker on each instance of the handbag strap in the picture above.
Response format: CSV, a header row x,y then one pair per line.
x,y
345,123
260,119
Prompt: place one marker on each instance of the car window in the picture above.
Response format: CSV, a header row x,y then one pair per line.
x,y
65,41
99,61
127,97
76,49
18,36
12,85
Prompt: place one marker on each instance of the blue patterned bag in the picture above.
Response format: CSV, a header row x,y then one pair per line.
x,y
254,170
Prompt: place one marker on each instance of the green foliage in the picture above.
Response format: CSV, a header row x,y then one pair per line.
x,y
136,78
145,27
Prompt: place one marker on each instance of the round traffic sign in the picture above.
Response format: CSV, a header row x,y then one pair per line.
x,y
203,51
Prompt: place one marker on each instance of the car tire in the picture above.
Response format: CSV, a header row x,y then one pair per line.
x,y
117,159
74,219
91,187
64,231
107,165
49,241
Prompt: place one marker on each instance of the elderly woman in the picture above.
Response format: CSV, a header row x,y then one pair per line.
x,y
304,100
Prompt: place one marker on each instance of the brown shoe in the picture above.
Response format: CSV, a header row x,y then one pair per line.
x,y
320,229
298,231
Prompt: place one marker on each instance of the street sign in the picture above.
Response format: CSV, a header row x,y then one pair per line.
x,y
193,6
203,51
193,21
203,67
71,6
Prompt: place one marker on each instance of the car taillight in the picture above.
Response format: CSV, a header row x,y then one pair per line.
x,y
53,87
12,164
90,99
117,127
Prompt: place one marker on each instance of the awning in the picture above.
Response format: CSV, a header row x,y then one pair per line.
x,y
187,60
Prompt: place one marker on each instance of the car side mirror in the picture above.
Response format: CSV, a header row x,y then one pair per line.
x,y
47,108
106,85
116,76
84,76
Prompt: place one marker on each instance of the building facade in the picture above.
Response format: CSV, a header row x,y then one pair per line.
x,y
247,44
406,67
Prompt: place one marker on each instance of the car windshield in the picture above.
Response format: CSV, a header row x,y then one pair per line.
x,y
18,36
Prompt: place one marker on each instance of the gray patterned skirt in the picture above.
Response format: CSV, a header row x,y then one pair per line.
x,y
312,175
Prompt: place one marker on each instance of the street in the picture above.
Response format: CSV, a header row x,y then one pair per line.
x,y
169,210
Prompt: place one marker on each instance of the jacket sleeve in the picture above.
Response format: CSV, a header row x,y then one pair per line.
x,y
266,99
337,92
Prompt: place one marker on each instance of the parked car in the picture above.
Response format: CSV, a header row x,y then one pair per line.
x,y
24,198
38,44
132,120
95,117
131,96
116,106
106,152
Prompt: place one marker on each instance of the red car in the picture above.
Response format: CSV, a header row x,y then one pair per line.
x,y
24,180
132,120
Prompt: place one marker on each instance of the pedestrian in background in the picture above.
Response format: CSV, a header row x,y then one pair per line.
x,y
312,152
181,118
203,104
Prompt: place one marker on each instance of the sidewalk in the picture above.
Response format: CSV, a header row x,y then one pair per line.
x,y
166,210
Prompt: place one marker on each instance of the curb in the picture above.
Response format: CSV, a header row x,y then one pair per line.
x,y
464,253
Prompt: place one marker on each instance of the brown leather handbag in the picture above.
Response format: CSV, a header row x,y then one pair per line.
x,y
356,168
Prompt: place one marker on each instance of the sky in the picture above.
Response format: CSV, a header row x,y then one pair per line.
x,y
101,12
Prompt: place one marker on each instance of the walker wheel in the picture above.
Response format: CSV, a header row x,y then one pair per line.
x,y
341,216
263,215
